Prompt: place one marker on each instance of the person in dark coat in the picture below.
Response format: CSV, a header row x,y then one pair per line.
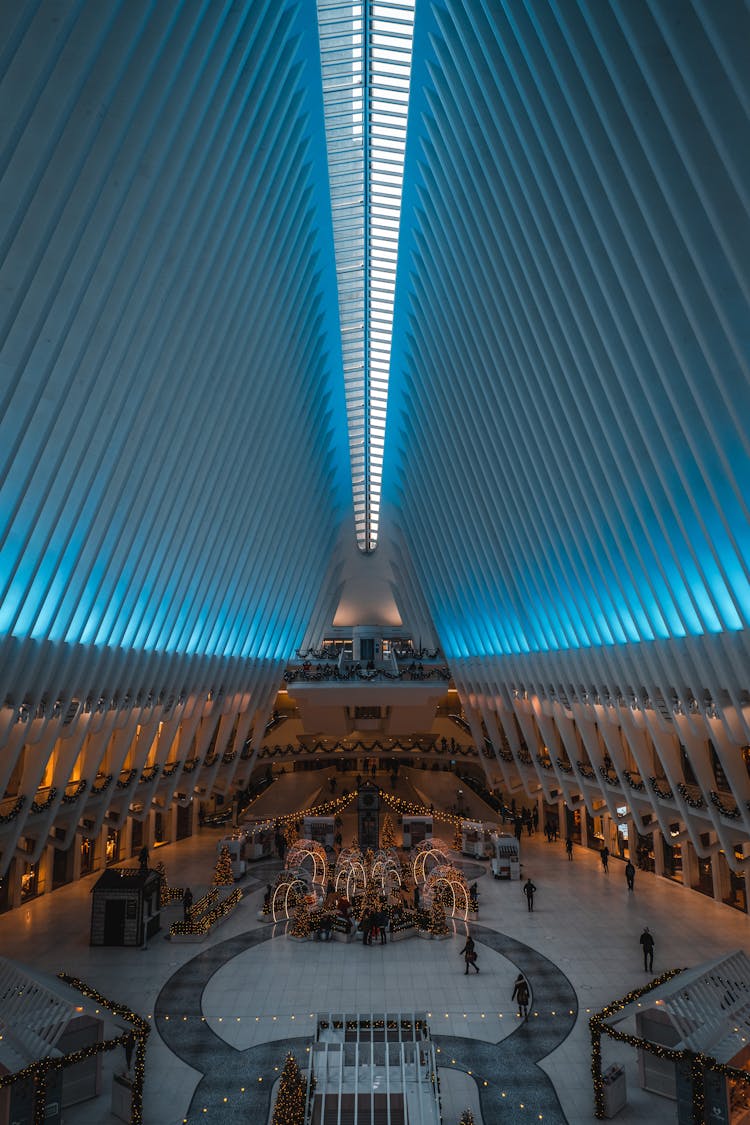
x,y
521,995
647,941
604,856
630,874
381,922
528,890
569,847
470,955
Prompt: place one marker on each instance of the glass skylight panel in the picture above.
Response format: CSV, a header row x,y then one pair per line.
x,y
366,68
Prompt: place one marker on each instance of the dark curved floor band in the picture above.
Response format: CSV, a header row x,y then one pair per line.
x,y
509,1066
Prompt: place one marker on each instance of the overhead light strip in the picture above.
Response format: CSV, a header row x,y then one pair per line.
x,y
366,68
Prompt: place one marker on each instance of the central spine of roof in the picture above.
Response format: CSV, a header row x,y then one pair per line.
x,y
366,52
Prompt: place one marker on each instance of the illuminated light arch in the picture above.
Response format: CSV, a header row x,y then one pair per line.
x,y
387,868
446,875
435,849
290,883
350,867
302,850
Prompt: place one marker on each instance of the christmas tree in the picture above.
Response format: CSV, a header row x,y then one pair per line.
x,y
291,833
223,876
301,921
291,1096
467,1118
387,833
437,925
458,841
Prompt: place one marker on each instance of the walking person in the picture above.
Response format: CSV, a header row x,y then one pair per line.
x,y
521,995
647,941
569,847
604,855
528,890
630,874
470,955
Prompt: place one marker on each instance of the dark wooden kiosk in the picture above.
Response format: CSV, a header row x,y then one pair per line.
x,y
125,903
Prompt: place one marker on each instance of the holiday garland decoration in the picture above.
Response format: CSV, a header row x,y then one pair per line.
x,y
38,1071
292,1095
6,818
700,1064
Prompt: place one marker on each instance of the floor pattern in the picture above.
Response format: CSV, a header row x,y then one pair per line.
x,y
236,1085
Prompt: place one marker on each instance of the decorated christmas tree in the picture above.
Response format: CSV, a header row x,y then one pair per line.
x,y
387,833
437,925
458,841
223,876
291,832
467,1118
290,1099
301,924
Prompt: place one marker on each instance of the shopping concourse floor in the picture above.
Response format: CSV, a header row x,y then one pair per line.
x,y
226,1011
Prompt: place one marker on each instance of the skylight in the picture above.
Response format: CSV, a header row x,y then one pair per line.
x,y
366,64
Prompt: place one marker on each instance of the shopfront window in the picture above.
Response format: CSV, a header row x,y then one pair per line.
x,y
88,855
113,846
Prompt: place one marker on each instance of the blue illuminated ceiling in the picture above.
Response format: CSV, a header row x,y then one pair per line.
x,y
571,353
200,213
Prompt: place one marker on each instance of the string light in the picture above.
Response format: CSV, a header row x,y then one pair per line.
x,y
38,1071
200,924
700,1064
223,876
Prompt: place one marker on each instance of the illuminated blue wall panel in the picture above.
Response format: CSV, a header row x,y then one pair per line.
x,y
571,339
171,401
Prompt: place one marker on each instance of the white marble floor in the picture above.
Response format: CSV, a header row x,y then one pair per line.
x,y
584,921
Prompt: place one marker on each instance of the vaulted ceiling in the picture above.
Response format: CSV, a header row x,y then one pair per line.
x,y
204,324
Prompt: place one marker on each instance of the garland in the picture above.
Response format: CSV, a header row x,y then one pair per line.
x,y
102,786
563,765
604,771
362,747
71,798
8,817
700,1063
662,794
124,782
638,786
545,763
137,1037
693,802
42,806
730,814
586,770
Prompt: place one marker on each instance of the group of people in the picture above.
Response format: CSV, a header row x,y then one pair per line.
x,y
374,923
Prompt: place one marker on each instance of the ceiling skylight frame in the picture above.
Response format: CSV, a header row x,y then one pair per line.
x,y
366,50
